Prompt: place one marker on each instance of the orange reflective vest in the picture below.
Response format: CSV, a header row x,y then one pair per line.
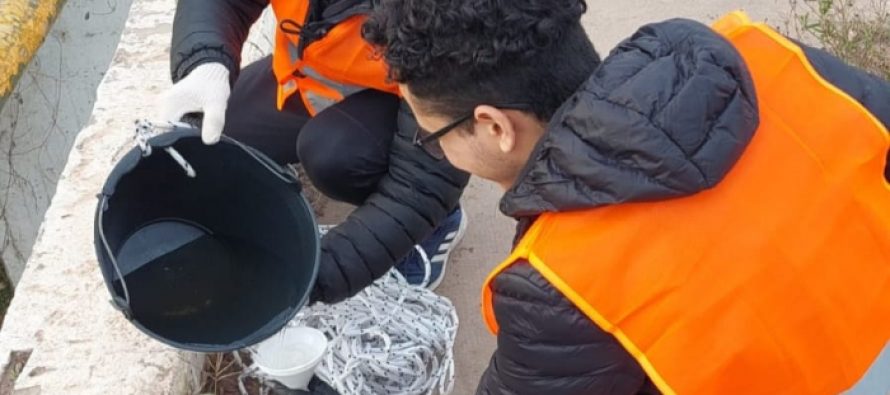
x,y
777,280
327,69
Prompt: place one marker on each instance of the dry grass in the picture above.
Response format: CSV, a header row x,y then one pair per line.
x,y
857,31
221,374
316,199
14,367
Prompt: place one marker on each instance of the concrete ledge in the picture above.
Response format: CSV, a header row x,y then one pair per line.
x,y
78,343
42,116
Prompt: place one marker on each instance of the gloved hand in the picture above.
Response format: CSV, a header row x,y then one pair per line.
x,y
205,89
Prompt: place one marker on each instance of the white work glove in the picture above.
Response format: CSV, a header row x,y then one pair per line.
x,y
206,90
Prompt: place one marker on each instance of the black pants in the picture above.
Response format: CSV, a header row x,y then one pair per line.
x,y
344,148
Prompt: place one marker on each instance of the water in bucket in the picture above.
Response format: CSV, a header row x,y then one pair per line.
x,y
210,295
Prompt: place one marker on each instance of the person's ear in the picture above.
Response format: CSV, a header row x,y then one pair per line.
x,y
494,124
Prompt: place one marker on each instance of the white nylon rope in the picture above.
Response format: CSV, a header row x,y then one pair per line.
x,y
391,338
145,130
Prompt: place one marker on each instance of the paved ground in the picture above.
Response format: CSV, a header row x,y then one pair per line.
x,y
488,237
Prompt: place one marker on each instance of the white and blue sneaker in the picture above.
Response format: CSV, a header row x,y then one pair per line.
x,y
425,265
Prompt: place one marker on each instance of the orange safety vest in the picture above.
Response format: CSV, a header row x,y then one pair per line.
x,y
776,281
328,69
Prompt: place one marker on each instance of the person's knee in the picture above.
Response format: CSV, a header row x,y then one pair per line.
x,y
345,148
338,162
324,167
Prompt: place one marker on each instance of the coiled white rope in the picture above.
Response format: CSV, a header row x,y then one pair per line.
x,y
391,338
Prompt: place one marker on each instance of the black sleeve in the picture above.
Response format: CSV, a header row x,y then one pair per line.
x,y
547,346
211,31
415,195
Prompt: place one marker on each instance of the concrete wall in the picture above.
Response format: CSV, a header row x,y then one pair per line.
x,y
39,121
61,334
78,343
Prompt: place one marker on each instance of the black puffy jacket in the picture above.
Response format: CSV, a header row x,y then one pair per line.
x,y
634,131
417,193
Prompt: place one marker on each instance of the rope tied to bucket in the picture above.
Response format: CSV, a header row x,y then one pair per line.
x,y
391,338
145,130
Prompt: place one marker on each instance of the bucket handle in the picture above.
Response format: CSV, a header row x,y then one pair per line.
x,y
289,177
121,304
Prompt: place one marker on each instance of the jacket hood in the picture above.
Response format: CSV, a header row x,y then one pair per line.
x,y
666,114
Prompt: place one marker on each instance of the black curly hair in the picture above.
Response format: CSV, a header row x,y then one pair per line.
x,y
457,54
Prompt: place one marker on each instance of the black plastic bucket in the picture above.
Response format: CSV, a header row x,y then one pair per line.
x,y
215,262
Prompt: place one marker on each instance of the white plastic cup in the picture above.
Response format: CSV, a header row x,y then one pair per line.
x,y
291,356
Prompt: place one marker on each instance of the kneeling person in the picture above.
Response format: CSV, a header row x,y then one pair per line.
x,y
703,211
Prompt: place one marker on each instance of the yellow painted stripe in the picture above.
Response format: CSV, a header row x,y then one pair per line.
x,y
23,27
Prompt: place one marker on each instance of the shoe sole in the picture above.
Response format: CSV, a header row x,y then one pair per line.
x,y
461,229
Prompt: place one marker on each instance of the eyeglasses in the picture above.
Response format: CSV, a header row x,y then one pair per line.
x,y
429,141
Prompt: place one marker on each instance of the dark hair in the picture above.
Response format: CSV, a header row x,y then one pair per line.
x,y
457,54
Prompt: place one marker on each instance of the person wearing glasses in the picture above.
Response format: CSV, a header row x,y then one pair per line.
x,y
704,211
322,99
